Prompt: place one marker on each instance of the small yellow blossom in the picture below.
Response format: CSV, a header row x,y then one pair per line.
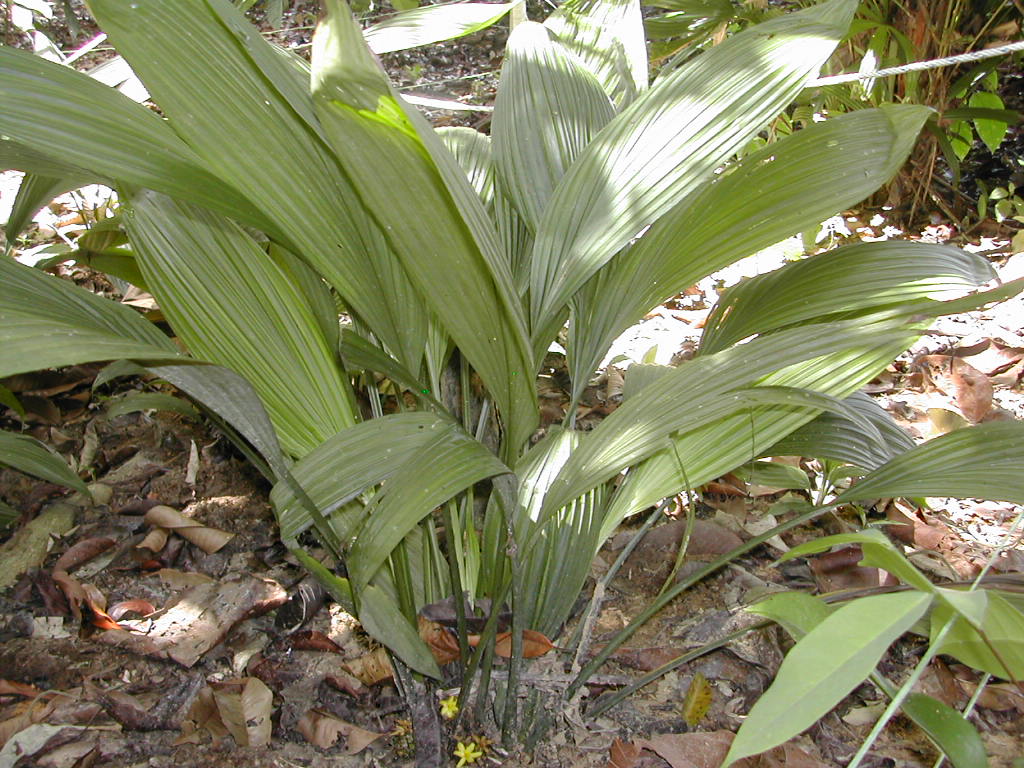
x,y
449,708
468,753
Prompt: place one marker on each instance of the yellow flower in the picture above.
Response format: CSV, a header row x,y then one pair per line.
x,y
468,753
449,708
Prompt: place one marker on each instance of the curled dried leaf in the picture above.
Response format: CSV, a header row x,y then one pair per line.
x,y
82,552
206,538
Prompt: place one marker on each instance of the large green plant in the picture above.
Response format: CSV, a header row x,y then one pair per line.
x,y
265,195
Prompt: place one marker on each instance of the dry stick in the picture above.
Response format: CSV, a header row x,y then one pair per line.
x,y
582,636
683,585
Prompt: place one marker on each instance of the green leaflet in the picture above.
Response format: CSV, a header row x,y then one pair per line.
x,y
57,112
608,37
433,23
831,659
842,282
981,462
452,253
48,323
194,55
28,455
548,109
232,305
668,142
761,200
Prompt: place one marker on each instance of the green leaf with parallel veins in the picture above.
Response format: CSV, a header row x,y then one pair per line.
x,y
857,278
46,322
608,37
194,55
982,462
58,112
829,662
232,305
668,143
761,200
433,23
547,110
28,455
403,173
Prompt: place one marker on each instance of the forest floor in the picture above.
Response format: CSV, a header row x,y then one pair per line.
x,y
116,650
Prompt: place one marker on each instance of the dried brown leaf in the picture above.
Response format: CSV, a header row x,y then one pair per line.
x,y
972,390
691,750
82,552
371,668
322,730
623,754
311,640
14,688
206,538
838,570
176,579
141,607
244,706
441,642
534,644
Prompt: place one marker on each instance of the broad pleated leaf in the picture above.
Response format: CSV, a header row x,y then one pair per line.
x,y
669,141
548,109
134,402
34,192
46,322
707,452
473,152
828,663
192,56
834,436
28,455
768,196
232,305
982,462
433,23
351,462
71,117
847,280
608,37
701,391
405,174
446,465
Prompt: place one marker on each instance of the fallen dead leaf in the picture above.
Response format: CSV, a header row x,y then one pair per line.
x,y
834,571
141,607
322,730
623,754
371,668
973,390
691,750
82,552
534,644
206,538
311,640
244,706
14,688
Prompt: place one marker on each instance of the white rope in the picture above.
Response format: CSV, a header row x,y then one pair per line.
x,y
917,66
